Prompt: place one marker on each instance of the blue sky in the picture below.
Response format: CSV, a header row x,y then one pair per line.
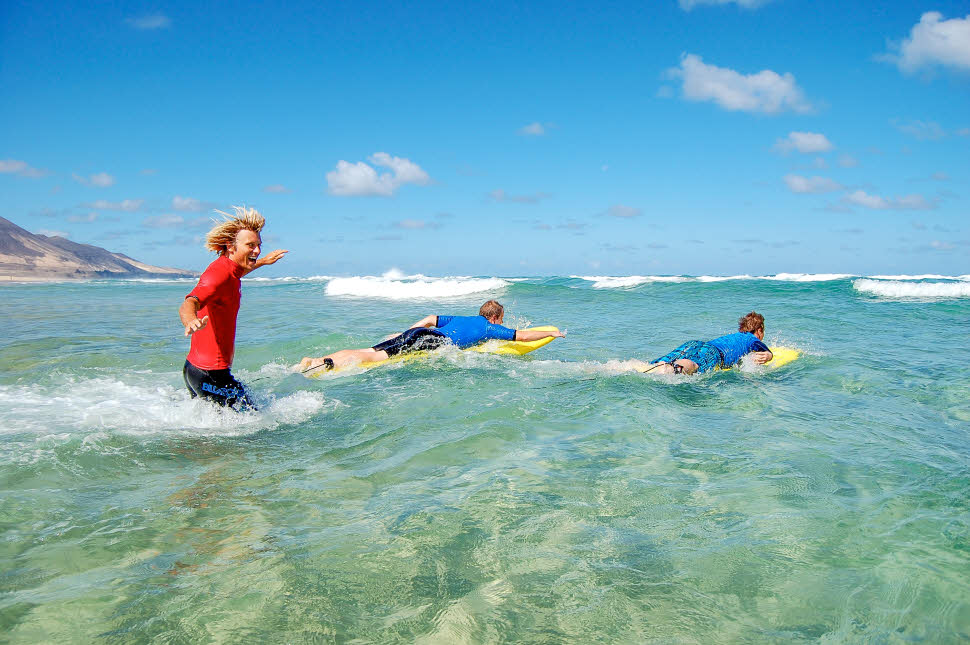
x,y
690,137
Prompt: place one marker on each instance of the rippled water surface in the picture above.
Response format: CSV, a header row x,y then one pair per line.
x,y
474,498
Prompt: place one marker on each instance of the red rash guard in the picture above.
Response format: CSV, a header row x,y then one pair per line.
x,y
218,292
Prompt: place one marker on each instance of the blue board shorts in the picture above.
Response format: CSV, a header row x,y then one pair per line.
x,y
218,386
707,356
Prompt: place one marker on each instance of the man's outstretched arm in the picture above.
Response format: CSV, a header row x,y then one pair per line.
x,y
534,334
427,321
189,315
270,258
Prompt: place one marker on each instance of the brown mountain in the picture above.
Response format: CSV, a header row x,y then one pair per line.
x,y
26,256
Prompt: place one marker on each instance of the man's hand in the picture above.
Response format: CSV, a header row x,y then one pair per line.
x,y
196,325
271,258
760,358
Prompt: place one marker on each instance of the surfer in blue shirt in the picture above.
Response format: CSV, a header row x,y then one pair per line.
x,y
724,351
431,332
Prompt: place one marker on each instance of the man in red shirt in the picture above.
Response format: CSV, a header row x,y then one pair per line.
x,y
209,311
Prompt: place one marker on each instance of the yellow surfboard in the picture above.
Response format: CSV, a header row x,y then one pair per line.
x,y
505,347
782,356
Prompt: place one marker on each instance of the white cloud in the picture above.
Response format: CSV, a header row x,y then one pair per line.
x,y
90,217
623,212
963,132
766,91
22,168
50,233
150,22
187,204
128,205
848,161
914,203
862,198
687,5
875,202
934,41
163,221
360,179
922,130
416,224
500,195
101,179
13,166
532,130
799,184
804,142
275,188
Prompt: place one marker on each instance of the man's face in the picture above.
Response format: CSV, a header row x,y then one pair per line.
x,y
245,249
760,334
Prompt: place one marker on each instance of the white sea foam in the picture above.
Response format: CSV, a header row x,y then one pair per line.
x,y
139,404
394,285
904,289
807,277
620,282
290,278
723,278
153,280
925,276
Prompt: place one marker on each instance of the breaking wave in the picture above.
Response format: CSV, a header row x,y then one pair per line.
x,y
619,282
394,285
902,289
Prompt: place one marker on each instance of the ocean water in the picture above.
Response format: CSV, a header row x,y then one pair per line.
x,y
472,498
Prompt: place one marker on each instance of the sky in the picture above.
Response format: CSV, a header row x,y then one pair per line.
x,y
716,137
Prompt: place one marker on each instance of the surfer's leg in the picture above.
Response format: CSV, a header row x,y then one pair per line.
x,y
686,366
654,368
343,357
352,356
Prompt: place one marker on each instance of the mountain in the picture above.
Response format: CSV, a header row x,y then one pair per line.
x,y
26,256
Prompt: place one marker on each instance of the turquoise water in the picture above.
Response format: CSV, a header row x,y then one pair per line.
x,y
475,498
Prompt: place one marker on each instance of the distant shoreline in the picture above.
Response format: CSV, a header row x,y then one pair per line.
x,y
82,278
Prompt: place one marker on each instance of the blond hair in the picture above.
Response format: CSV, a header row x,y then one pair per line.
x,y
491,309
223,234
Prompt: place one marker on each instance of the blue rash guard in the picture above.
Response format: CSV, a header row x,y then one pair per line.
x,y
466,331
734,346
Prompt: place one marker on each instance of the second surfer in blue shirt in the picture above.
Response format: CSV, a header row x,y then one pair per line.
x,y
724,351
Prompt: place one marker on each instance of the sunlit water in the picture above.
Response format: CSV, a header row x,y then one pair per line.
x,y
475,498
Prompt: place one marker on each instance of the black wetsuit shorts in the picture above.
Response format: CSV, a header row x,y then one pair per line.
x,y
218,386
416,338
